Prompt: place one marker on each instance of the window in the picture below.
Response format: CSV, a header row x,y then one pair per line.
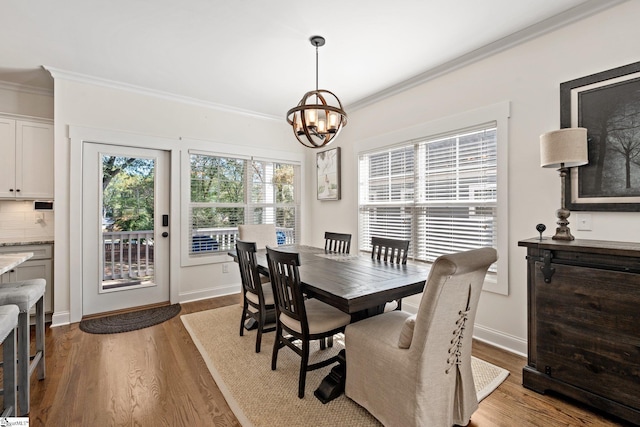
x,y
441,193
228,191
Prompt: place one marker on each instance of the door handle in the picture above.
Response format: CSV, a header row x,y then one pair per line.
x,y
165,234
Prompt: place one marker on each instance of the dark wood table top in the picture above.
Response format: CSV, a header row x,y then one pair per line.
x,y
351,283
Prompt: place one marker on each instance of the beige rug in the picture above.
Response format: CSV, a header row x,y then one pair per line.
x,y
259,396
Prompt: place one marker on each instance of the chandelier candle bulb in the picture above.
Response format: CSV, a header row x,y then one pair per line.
x,y
333,122
311,118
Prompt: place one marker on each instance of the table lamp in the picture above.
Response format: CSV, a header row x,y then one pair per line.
x,y
563,149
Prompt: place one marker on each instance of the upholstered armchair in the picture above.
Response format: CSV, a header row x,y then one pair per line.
x,y
416,370
262,234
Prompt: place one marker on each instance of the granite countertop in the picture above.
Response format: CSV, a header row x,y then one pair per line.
x,y
9,261
35,242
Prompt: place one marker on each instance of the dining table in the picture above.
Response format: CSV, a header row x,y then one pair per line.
x,y
353,283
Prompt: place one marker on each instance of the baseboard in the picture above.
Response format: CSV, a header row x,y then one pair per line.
x,y
60,318
485,334
501,340
208,293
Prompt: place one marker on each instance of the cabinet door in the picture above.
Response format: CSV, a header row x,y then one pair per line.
x,y
588,333
8,157
34,160
33,269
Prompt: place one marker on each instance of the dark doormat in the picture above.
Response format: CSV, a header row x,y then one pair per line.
x,y
129,321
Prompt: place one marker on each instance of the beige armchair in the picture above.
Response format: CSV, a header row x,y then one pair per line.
x,y
262,234
416,370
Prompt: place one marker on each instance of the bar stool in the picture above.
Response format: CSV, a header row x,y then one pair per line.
x,y
25,294
8,325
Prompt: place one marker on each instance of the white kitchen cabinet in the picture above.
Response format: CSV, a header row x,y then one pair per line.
x,y
38,267
26,163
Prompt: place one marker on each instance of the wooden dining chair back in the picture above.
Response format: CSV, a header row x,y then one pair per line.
x,y
389,250
337,242
257,297
304,320
421,373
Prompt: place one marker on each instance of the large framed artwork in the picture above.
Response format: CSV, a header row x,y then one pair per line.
x,y
328,172
608,105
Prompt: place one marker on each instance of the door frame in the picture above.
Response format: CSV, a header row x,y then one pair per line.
x,y
78,137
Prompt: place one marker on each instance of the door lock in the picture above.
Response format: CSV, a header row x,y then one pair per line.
x,y
165,234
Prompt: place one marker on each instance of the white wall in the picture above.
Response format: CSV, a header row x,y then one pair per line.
x,y
91,106
528,76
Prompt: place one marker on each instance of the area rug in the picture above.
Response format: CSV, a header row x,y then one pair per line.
x,y
260,397
131,321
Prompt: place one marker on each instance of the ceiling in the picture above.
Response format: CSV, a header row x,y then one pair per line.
x,y
255,56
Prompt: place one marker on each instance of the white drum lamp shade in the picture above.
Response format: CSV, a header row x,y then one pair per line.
x,y
564,148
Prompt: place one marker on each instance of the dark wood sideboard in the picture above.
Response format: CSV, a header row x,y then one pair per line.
x,y
584,322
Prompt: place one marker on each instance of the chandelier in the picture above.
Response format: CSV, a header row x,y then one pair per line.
x,y
318,118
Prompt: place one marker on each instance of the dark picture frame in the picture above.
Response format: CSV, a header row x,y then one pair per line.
x,y
608,105
328,174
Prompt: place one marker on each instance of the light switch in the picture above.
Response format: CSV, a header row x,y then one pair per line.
x,y
583,222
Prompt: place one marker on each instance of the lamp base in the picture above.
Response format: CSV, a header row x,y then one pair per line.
x,y
562,231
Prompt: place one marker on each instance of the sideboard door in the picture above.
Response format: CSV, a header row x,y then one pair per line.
x,y
587,330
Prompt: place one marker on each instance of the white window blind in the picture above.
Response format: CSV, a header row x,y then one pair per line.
x,y
227,192
438,192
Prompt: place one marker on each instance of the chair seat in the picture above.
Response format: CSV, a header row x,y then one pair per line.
x,y
8,320
267,291
321,317
24,293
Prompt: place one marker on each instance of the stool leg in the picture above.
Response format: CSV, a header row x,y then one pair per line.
x,y
10,377
24,343
40,337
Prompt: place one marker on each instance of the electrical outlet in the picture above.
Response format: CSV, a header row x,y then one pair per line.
x,y
583,222
39,217
225,268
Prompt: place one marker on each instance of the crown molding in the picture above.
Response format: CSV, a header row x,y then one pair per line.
x,y
112,84
33,90
572,15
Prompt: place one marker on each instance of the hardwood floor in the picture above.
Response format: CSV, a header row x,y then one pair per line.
x,y
156,377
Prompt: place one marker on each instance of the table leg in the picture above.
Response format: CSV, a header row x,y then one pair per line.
x,y
251,324
332,385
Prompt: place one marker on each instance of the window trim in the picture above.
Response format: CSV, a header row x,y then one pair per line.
x,y
498,113
210,148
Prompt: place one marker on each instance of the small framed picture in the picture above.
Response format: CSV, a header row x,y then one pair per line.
x,y
328,173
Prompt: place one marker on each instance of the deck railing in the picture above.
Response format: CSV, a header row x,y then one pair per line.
x,y
207,240
129,254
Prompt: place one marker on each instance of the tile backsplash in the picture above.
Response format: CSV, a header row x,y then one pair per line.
x,y
19,222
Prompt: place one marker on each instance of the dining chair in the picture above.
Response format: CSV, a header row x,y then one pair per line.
x,y
393,251
262,234
415,370
304,320
337,242
257,296
389,250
